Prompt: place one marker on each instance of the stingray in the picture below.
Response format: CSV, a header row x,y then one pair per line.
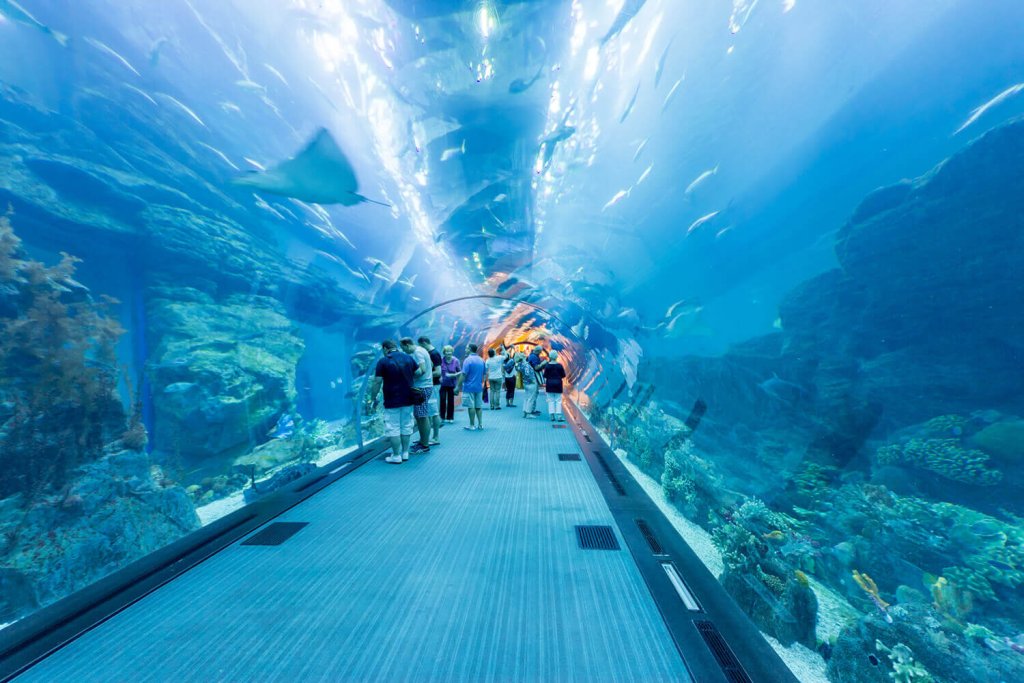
x,y
319,174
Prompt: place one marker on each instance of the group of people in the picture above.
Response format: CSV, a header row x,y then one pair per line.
x,y
421,386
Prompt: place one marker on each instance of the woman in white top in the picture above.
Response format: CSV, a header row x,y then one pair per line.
x,y
495,378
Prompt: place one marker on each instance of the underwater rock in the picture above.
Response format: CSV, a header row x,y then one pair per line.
x,y
1004,441
946,654
222,373
111,512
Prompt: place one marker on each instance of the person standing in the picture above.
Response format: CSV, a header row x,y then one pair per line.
x,y
395,373
529,376
495,378
554,373
451,371
435,396
472,381
537,363
424,383
510,373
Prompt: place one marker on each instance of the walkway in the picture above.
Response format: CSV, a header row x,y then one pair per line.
x,y
460,565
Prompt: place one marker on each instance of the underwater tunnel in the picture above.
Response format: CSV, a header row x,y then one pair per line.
x,y
774,246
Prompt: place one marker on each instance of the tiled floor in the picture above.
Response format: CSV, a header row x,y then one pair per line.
x,y
459,565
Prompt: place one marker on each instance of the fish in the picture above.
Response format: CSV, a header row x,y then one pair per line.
x,y
1002,566
563,132
630,8
671,94
108,51
520,85
643,176
782,390
15,12
501,197
681,306
659,69
320,173
741,11
139,91
616,199
998,99
684,321
453,151
154,51
284,428
180,387
699,180
409,282
640,149
251,86
191,114
701,221
774,535
276,73
222,156
629,107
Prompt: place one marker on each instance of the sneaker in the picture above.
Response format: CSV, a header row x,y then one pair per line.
x,y
405,456
470,429
394,459
530,416
435,443
536,412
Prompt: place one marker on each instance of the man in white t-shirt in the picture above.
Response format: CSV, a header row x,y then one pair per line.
x,y
424,381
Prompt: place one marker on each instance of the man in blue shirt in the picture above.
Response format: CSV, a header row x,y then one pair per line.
x,y
472,380
395,373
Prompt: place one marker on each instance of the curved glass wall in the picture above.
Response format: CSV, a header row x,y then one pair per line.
x,y
779,244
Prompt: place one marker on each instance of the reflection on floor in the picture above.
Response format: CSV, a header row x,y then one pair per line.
x,y
458,565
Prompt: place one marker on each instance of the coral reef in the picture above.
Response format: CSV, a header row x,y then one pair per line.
x,y
945,457
222,372
110,511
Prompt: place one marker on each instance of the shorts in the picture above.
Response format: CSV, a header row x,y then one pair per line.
x,y
433,405
398,421
428,407
474,399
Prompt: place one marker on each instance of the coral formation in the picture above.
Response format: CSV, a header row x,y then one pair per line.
x,y
57,370
904,668
946,457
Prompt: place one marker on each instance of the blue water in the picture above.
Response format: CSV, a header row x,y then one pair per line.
x,y
675,207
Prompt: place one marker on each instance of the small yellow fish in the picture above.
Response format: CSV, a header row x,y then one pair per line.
x,y
774,535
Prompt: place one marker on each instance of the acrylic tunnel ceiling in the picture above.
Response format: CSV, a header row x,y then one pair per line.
x,y
626,175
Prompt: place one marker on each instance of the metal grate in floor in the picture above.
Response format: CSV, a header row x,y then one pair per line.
x,y
565,457
275,534
724,655
592,537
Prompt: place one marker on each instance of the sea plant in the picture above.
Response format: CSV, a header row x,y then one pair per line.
x,y
904,668
57,369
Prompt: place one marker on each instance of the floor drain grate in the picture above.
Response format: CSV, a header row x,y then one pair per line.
x,y
731,666
649,536
611,476
275,534
568,456
596,538
558,426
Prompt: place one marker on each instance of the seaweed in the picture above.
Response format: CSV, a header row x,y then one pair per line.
x,y
57,370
